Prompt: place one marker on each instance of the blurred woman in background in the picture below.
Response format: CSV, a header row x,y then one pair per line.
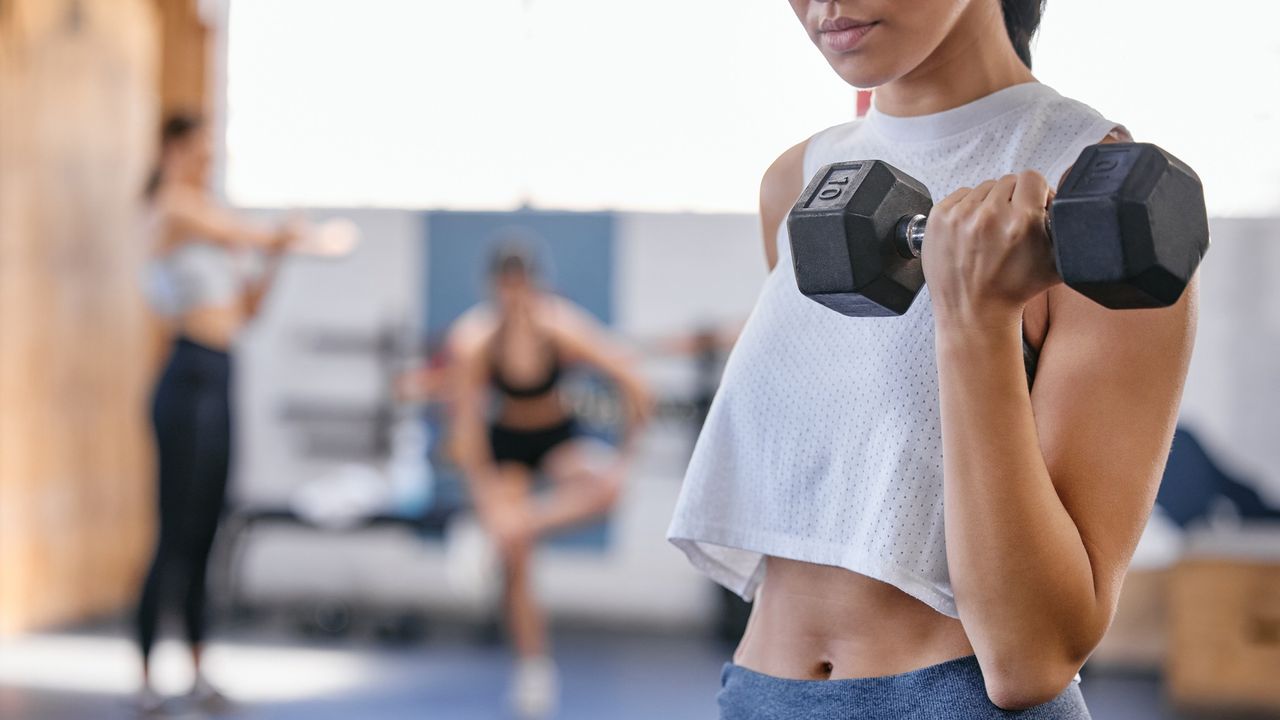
x,y
198,279
515,352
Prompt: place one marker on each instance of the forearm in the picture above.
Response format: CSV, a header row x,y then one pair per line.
x,y
1022,576
256,291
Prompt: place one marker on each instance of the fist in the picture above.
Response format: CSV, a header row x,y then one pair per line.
x,y
987,251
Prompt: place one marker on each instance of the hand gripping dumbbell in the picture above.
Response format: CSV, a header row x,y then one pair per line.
x,y
1128,227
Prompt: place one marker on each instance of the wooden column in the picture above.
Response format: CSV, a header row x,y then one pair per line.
x,y
184,57
78,109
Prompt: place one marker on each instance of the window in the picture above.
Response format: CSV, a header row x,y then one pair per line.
x,y
670,105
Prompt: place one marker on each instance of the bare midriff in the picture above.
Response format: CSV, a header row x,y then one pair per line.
x,y
532,413
818,622
213,326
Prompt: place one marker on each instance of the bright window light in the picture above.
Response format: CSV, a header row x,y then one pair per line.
x,y
670,105
1200,80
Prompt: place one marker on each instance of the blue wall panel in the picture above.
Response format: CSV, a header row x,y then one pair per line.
x,y
575,250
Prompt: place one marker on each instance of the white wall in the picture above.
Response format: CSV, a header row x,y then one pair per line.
x,y
677,271
378,283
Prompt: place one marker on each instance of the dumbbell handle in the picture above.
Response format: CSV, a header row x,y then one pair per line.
x,y
909,235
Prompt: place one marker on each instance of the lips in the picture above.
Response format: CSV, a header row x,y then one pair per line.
x,y
843,34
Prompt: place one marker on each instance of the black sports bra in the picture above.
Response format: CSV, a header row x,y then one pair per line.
x,y
532,390
1030,359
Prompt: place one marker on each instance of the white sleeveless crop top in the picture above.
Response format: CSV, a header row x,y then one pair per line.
x,y
824,443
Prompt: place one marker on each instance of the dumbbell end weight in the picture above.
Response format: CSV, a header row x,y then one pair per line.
x,y
1130,226
844,238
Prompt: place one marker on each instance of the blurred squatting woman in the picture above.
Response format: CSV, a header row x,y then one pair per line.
x,y
515,353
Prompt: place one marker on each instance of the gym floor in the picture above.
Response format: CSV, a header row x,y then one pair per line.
x,y
89,672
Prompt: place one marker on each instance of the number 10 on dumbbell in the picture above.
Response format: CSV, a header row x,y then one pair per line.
x,y
1128,227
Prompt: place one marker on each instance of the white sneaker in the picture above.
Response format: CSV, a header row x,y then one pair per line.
x,y
472,566
148,702
535,689
208,698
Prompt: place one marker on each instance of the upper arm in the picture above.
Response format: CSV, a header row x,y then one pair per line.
x,y
779,188
1106,401
1105,448
468,375
190,213
466,356
467,381
583,340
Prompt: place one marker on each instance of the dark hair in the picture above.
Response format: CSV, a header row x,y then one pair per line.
x,y
513,255
1022,19
176,128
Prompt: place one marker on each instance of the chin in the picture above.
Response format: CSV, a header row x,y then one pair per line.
x,y
860,72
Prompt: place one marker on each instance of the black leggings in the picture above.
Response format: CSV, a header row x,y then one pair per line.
x,y
192,415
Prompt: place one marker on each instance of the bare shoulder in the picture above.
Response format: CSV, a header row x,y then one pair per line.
x,y
562,315
471,332
1118,134
569,325
779,187
784,179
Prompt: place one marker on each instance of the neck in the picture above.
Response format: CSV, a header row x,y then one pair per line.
x,y
973,61
175,175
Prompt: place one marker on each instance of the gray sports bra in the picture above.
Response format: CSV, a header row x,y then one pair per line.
x,y
191,275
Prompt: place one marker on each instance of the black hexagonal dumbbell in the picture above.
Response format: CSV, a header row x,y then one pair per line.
x,y
1128,226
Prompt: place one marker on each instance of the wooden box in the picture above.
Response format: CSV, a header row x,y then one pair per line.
x,y
1224,633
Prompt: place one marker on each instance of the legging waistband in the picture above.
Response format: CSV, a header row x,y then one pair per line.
x,y
187,345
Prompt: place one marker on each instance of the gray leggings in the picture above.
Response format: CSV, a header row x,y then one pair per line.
x,y
952,690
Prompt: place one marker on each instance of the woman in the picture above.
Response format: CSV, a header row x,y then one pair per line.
x,y
516,353
837,446
197,280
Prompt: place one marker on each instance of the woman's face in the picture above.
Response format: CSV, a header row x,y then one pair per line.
x,y
191,157
870,43
511,289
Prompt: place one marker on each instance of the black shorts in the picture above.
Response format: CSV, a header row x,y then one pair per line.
x,y
529,447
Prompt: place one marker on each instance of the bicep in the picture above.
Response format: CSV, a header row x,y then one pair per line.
x,y
779,187
467,371
1106,400
583,340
